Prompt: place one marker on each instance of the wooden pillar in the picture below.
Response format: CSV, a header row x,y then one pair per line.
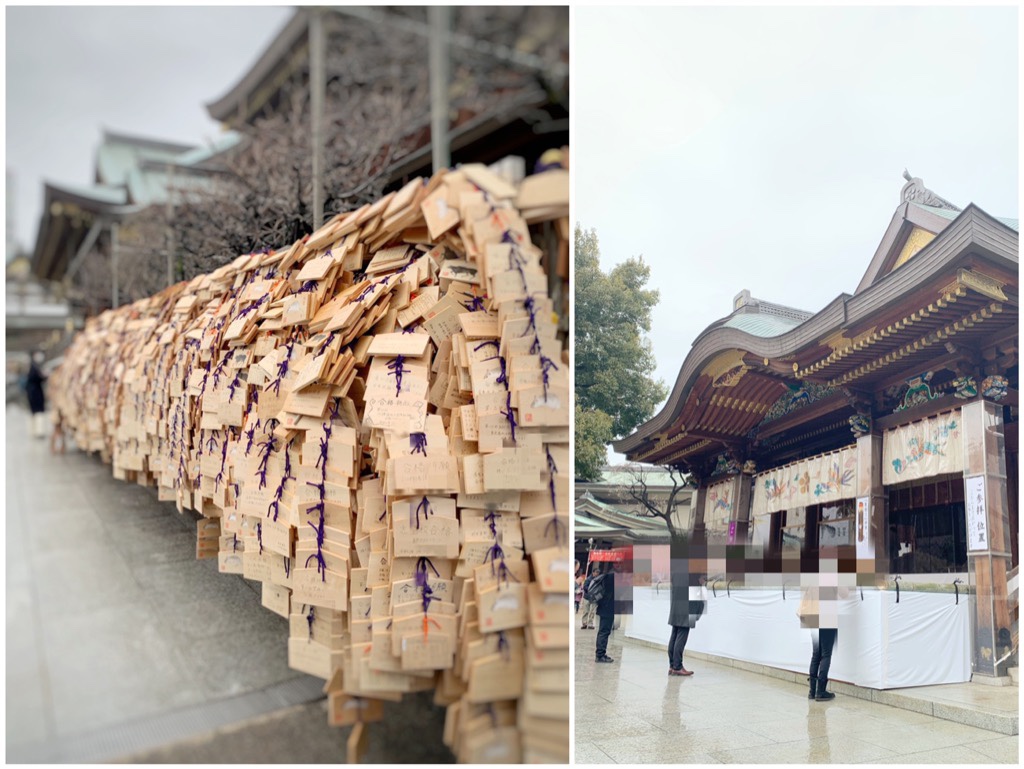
x,y
743,494
988,533
871,524
698,500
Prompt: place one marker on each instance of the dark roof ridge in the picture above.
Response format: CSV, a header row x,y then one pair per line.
x,y
115,137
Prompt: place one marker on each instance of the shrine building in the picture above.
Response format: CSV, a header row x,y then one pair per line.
x,y
884,425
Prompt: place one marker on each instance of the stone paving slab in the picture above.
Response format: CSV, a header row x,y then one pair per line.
x,y
632,711
119,641
994,708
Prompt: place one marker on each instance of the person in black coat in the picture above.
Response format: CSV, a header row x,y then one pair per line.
x,y
605,612
36,396
687,605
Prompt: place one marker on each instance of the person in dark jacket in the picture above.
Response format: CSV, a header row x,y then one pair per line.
x,y
686,607
36,397
605,612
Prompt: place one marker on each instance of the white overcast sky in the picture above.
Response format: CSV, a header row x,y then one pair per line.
x,y
762,149
74,71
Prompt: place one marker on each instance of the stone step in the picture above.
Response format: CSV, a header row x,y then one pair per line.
x,y
1014,675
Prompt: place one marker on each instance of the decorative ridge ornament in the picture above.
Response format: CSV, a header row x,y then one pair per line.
x,y
914,191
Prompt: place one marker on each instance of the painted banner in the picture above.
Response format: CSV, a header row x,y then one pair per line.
x,y
719,505
812,481
923,449
618,555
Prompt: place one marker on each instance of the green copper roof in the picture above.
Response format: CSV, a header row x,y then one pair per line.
x,y
945,213
761,324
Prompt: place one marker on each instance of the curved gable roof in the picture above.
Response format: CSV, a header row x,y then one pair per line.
x,y
973,231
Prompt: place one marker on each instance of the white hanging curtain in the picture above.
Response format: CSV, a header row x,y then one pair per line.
x,y
923,449
812,481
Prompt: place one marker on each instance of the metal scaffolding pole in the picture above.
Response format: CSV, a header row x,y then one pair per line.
x,y
114,291
317,86
440,29
170,225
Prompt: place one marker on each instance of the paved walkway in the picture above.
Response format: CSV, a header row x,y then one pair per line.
x,y
118,640
631,711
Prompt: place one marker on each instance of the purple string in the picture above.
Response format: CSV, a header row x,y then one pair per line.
x,y
223,462
503,646
366,292
422,507
411,327
220,369
336,408
546,365
397,369
321,564
250,435
282,369
324,442
484,344
235,384
553,469
212,443
279,493
556,523
259,535
510,415
475,304
504,573
418,443
516,260
492,522
494,554
308,287
266,448
530,307
421,581
287,566
234,543
310,619
252,307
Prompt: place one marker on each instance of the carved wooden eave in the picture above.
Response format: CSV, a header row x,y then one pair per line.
x,y
961,289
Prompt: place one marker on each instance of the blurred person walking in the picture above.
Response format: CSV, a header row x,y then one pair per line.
x,y
36,396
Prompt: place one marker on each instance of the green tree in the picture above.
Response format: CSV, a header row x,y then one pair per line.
x,y
614,361
593,431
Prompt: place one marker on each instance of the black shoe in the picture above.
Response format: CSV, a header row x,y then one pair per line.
x,y
824,696
605,658
814,687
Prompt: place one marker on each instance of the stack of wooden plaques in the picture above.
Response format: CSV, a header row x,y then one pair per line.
x,y
373,423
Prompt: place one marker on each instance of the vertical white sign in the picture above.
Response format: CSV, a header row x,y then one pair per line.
x,y
977,518
862,537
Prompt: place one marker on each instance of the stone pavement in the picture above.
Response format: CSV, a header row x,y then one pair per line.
x,y
631,711
120,642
